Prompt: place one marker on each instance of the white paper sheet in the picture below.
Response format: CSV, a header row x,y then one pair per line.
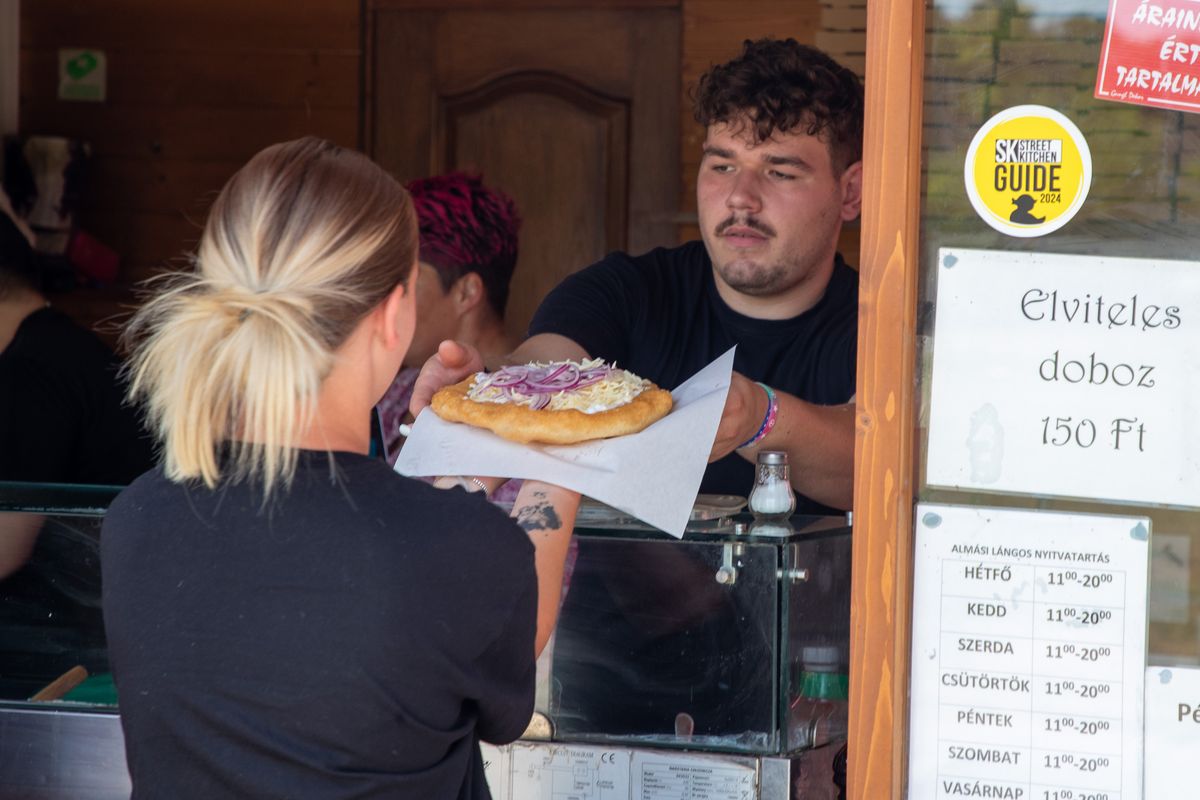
x,y
653,475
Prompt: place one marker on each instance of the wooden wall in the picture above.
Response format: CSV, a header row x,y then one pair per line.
x,y
713,32
195,87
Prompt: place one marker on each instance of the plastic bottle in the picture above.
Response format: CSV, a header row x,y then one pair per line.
x,y
820,713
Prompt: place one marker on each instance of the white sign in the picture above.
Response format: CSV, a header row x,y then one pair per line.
x,y
82,75
1028,654
1064,375
551,771
1172,732
670,776
497,770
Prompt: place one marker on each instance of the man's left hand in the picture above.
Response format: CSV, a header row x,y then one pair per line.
x,y
745,407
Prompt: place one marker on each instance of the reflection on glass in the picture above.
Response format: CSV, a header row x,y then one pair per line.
x,y
62,412
984,57
50,619
737,643
649,643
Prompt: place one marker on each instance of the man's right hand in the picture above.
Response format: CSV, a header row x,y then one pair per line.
x,y
452,362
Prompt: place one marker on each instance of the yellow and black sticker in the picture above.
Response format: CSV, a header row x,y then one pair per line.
x,y
1028,171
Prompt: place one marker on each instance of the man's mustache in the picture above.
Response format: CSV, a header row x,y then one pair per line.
x,y
747,222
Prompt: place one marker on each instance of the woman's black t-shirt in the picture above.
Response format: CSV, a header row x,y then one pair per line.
x,y
356,638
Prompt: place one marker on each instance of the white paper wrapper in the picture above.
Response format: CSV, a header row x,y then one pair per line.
x,y
653,475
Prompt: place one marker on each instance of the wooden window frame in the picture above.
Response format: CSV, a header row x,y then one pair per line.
x,y
881,595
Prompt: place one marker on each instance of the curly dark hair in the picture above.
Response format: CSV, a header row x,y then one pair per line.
x,y
781,85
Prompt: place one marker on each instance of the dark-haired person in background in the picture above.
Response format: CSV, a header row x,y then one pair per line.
x,y
62,420
62,413
468,250
781,173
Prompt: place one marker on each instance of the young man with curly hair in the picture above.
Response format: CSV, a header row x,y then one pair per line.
x,y
781,173
647,642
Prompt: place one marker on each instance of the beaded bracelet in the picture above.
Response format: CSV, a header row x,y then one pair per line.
x,y
768,419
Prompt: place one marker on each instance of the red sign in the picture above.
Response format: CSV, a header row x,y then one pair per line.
x,y
1151,54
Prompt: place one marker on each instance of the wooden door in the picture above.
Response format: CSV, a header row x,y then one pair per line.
x,y
573,109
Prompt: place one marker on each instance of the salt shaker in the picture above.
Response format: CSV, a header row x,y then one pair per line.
x,y
772,497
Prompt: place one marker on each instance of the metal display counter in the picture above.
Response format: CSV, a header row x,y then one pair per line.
x,y
708,667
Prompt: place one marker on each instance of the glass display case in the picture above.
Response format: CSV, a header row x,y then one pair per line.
x,y
730,642
733,639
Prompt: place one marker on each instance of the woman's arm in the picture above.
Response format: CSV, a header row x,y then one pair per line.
x,y
547,513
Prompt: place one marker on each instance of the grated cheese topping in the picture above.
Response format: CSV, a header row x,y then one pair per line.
x,y
619,388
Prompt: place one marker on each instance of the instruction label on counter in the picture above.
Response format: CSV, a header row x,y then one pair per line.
x,y
551,771
1028,654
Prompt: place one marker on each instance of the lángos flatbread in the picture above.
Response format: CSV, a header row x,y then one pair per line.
x,y
562,402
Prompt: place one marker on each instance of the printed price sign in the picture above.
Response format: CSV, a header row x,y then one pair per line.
x,y
1151,54
1070,376
1028,653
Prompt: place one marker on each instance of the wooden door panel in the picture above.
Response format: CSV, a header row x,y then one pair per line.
x,y
402,92
519,130
591,153
592,47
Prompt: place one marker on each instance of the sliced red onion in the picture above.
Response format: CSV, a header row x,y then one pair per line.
x,y
506,378
538,383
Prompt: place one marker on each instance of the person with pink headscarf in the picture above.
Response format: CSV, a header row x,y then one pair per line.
x,y
468,240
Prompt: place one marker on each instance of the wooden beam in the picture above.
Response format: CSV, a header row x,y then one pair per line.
x,y
881,596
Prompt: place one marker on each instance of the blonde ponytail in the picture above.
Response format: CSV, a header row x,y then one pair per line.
x,y
300,245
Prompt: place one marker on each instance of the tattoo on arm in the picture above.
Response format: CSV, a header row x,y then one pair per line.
x,y
539,515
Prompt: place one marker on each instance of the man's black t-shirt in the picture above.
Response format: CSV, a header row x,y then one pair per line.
x,y
62,417
660,316
357,638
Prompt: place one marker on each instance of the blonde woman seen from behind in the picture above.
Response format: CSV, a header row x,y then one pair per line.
x,y
286,616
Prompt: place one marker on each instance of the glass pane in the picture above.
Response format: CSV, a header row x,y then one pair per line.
x,y
1144,202
670,642
50,621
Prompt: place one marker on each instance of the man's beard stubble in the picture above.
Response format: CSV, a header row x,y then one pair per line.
x,y
755,279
